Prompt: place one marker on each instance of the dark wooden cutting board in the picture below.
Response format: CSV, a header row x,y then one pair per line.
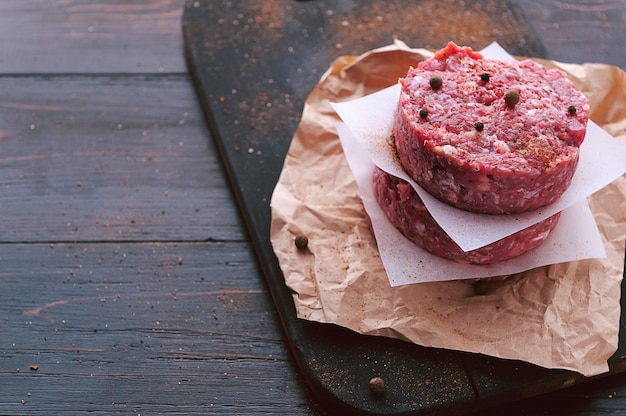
x,y
254,63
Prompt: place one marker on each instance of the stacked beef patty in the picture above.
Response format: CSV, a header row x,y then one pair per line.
x,y
484,135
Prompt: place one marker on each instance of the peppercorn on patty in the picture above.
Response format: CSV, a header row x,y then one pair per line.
x,y
487,135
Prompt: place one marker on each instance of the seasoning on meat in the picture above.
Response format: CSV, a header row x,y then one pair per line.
x,y
525,156
511,97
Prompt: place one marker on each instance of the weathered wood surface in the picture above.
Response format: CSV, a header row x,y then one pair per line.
x,y
154,328
109,158
126,276
84,36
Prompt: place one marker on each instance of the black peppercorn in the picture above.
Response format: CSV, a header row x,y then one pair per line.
x,y
302,242
377,386
484,76
511,98
479,126
435,82
571,109
423,113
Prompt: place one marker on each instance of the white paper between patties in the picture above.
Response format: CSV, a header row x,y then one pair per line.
x,y
370,119
575,237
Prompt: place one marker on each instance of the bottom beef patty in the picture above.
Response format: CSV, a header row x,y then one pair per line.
x,y
406,211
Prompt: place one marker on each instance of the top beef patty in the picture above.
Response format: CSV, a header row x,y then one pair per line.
x,y
489,136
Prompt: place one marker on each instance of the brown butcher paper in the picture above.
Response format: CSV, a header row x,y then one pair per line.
x,y
559,316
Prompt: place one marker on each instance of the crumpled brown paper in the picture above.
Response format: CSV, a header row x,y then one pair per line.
x,y
560,316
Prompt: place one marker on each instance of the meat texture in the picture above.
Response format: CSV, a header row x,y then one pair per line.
x,y
406,211
489,136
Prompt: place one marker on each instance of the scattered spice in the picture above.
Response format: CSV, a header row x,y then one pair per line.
x,y
511,97
435,82
484,76
377,386
479,126
34,367
571,109
302,242
423,113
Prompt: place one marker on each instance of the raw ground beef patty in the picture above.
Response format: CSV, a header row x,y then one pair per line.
x,y
489,136
405,210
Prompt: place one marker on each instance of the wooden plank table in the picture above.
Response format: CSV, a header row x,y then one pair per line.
x,y
129,282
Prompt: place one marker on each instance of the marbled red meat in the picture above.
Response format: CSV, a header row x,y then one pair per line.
x,y
465,145
406,211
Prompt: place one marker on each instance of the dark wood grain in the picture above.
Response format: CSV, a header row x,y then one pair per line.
x,y
602,397
109,158
121,328
84,36
580,31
